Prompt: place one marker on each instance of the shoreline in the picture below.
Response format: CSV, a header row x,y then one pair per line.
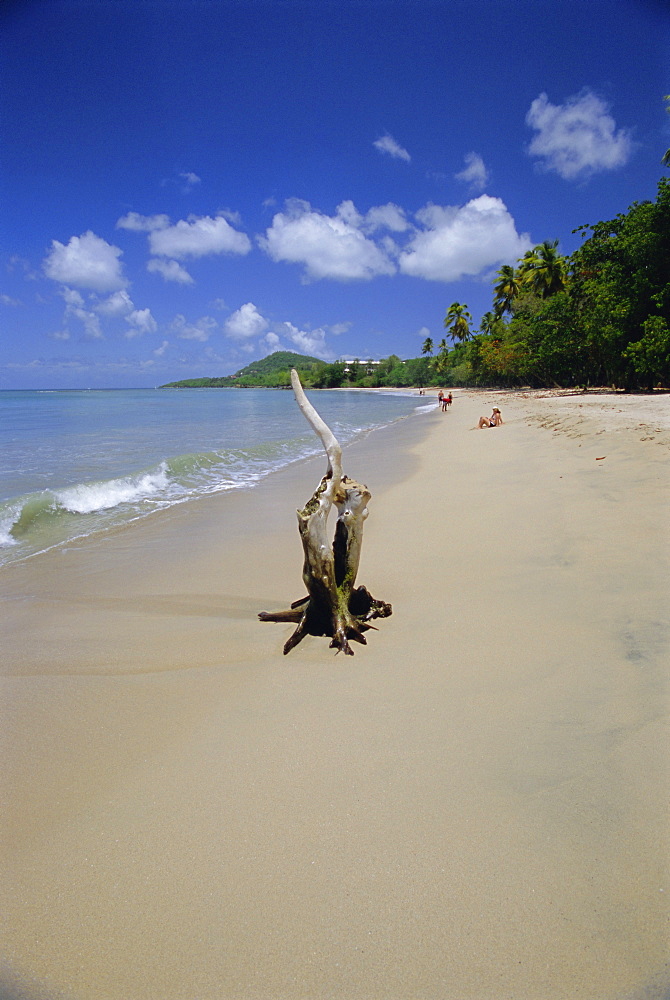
x,y
472,806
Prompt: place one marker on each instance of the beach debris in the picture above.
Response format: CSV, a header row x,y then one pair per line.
x,y
600,458
334,606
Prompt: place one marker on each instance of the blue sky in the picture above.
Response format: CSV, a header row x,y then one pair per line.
x,y
188,185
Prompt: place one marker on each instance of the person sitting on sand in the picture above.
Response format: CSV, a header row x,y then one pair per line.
x,y
494,420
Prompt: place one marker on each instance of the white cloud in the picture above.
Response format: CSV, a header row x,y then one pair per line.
x,y
578,138
475,173
143,223
140,322
73,298
328,246
87,261
310,341
160,351
387,144
118,304
89,321
75,307
245,322
339,328
307,341
170,270
386,217
198,237
200,330
462,242
271,341
190,180
7,300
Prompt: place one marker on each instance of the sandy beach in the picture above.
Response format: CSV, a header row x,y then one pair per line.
x,y
473,807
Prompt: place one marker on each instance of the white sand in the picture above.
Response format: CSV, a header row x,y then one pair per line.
x,y
474,807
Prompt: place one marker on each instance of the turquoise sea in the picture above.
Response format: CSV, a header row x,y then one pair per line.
x,y
73,463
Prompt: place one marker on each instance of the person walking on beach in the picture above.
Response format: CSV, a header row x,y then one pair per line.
x,y
440,397
495,420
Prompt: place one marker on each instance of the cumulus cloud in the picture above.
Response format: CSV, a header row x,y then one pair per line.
x,y
328,246
307,341
387,144
578,138
75,308
200,330
198,237
271,341
143,223
462,242
160,351
475,173
118,304
170,270
140,321
87,261
245,322
388,216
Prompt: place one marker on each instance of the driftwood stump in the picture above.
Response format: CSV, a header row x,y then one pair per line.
x,y
334,606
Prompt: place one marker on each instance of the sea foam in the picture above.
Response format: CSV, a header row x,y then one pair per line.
x,y
91,497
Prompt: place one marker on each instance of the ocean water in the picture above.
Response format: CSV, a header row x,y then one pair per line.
x,y
73,463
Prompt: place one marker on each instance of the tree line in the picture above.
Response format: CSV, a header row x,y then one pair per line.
x,y
600,316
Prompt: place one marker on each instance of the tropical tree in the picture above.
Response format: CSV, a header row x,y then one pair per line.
x,y
442,358
506,289
457,321
488,323
650,356
543,270
427,346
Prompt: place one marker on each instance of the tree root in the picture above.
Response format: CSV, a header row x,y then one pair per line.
x,y
313,619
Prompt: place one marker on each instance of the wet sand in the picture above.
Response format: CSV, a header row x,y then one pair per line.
x,y
473,807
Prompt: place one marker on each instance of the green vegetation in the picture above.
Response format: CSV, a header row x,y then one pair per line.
x,y
598,317
272,372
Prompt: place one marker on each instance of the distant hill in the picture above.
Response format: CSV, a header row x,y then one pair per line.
x,y
270,371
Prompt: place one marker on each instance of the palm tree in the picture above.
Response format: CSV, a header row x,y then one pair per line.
x,y
506,290
544,270
442,357
488,322
666,156
458,321
427,346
